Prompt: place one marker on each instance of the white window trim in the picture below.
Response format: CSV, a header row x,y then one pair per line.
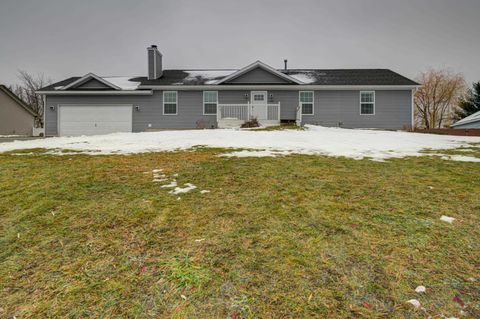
x,y
360,96
216,92
301,103
176,102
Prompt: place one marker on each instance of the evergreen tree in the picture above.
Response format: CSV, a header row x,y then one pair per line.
x,y
470,103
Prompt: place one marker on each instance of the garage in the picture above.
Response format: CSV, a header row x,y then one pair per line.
x,y
75,120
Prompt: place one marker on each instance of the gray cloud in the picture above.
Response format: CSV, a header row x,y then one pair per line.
x,y
63,38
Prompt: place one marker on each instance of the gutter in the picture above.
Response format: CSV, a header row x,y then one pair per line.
x,y
278,87
129,92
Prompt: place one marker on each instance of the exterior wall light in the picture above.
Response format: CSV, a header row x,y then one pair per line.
x,y
246,96
137,108
52,107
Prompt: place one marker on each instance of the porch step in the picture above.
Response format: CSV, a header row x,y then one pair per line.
x,y
229,123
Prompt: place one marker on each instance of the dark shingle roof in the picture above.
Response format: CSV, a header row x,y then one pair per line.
x,y
351,77
308,76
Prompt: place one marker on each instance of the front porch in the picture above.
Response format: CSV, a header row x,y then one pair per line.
x,y
234,115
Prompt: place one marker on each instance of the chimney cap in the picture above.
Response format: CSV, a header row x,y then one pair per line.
x,y
153,46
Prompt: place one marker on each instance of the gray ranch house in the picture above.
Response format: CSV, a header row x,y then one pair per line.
x,y
211,98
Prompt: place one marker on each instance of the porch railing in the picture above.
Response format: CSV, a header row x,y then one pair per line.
x,y
244,112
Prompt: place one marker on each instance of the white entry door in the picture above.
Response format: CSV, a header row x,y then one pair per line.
x,y
259,104
74,120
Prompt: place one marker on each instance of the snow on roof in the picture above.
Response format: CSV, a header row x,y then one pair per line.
x,y
206,76
469,119
305,77
122,82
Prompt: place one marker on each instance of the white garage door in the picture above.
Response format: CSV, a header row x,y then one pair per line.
x,y
74,120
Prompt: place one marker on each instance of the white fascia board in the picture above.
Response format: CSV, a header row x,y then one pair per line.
x,y
255,65
87,77
130,92
277,87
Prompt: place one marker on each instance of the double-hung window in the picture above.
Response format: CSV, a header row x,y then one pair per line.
x,y
367,103
170,102
306,102
210,101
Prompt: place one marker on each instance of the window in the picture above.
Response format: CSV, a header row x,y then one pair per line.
x,y
169,103
210,101
306,102
258,97
367,103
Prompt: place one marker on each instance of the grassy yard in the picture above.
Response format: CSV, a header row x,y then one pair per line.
x,y
293,237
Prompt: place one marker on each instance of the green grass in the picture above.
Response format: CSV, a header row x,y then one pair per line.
x,y
290,237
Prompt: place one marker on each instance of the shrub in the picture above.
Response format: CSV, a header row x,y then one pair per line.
x,y
252,123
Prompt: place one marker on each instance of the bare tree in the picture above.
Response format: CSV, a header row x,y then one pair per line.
x,y
29,84
436,99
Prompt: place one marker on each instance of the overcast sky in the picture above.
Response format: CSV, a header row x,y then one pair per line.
x,y
63,38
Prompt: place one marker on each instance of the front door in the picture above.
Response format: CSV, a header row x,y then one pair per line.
x,y
259,104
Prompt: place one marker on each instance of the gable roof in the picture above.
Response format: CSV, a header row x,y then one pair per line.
x,y
258,64
87,77
475,117
18,100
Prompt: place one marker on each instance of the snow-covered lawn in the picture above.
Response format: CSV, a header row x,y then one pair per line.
x,y
315,140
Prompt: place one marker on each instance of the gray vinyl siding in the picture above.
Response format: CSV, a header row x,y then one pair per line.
x,y
93,84
393,110
257,75
189,110
288,103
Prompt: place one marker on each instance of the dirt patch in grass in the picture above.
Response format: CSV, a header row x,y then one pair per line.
x,y
296,236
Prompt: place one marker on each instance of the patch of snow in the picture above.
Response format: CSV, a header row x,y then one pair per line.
x,y
304,77
420,289
122,82
315,140
414,302
208,76
460,158
447,219
199,240
158,170
158,180
204,191
12,136
180,190
172,184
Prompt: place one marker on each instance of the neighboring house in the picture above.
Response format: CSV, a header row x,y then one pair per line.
x,y
471,121
182,99
16,117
